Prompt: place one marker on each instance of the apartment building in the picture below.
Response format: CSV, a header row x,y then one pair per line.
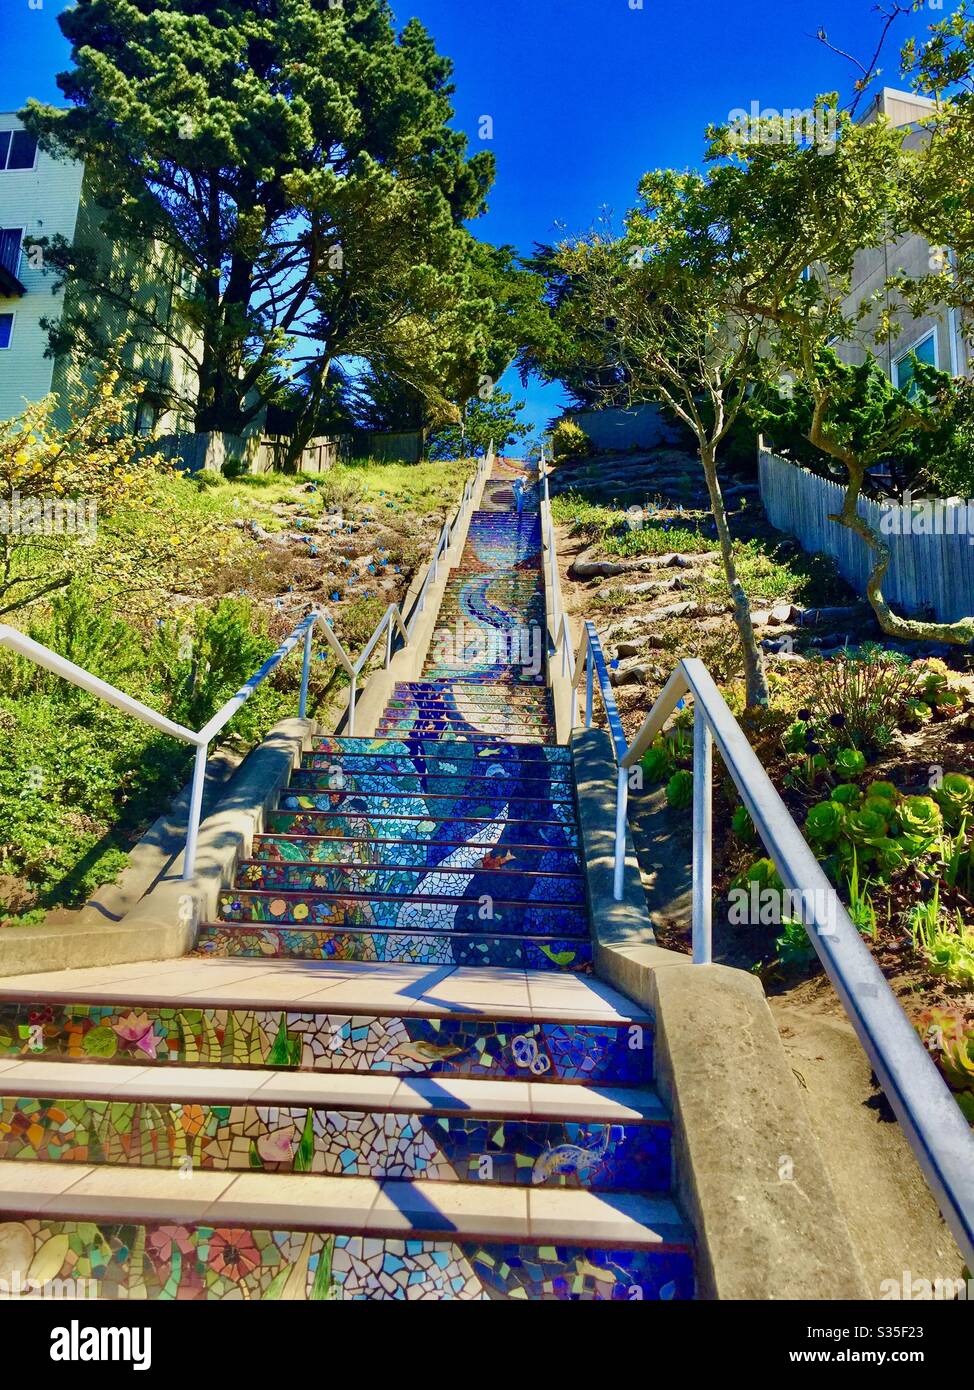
x,y
42,197
938,336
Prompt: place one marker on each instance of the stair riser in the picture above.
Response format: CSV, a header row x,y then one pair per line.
x,y
349,824
509,781
393,720
490,676
167,1261
440,709
432,749
401,914
418,854
503,790
402,947
349,1143
469,764
483,808
477,1047
453,881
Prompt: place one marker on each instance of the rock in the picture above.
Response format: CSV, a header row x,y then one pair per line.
x,y
782,613
625,649
816,617
258,532
656,586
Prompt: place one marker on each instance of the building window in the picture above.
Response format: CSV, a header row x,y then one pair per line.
x,y
10,239
6,329
18,150
924,351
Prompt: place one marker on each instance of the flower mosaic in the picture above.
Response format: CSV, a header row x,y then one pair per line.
x,y
620,1053
174,1263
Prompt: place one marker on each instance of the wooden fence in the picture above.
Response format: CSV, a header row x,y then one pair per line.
x,y
932,543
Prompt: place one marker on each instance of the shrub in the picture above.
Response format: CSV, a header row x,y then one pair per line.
x,y
569,440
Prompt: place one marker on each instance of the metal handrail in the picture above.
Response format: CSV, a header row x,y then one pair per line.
x,y
931,1119
391,620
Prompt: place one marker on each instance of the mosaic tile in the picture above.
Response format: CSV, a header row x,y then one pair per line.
x,y
620,1054
174,1262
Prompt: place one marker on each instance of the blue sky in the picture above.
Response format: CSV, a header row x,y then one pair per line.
x,y
585,95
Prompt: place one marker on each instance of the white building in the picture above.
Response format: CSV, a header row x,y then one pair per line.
x,y
39,197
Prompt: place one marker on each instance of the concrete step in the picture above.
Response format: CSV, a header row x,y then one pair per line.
x,y
311,1236
349,1125
400,1018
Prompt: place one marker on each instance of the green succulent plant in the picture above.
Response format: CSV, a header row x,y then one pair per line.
x,y
891,856
742,825
917,712
955,797
886,790
866,827
919,817
823,825
656,764
849,762
679,790
794,945
762,872
847,794
880,806
795,736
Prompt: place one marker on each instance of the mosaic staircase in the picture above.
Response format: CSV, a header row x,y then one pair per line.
x,y
387,1072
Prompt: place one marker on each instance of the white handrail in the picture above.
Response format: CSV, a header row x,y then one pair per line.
x,y
391,620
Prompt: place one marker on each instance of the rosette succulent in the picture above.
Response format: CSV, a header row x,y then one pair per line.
x,y
865,827
679,790
917,712
886,790
656,764
920,818
824,823
891,856
762,872
955,797
847,794
850,762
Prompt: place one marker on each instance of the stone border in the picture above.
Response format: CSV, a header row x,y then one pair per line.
x,y
749,1174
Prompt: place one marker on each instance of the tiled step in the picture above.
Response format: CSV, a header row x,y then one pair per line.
x,y
315,1237
423,853
514,729
432,750
300,1014
345,1124
486,805
426,911
366,944
471,673
471,767
349,824
448,880
478,697
334,778
488,715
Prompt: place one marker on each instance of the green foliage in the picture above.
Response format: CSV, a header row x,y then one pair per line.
x,y
485,422
849,762
300,159
858,694
569,440
743,826
679,790
955,797
947,946
794,946
656,762
824,823
949,1037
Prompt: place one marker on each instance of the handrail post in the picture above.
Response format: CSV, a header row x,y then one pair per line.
x,y
589,682
389,634
195,812
703,744
351,706
622,801
306,672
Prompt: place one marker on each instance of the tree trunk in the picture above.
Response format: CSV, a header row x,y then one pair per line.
x,y
909,629
305,426
754,674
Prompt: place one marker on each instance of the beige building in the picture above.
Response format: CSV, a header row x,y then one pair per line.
x,y
937,337
41,197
